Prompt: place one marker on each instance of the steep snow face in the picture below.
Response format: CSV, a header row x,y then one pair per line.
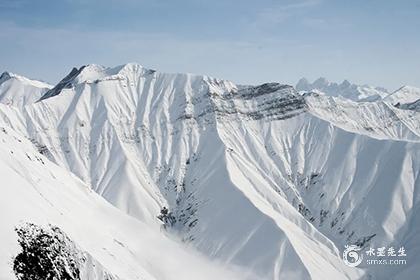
x,y
259,177
19,91
347,90
148,139
114,245
404,98
337,180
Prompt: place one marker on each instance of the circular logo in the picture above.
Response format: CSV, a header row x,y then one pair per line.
x,y
351,255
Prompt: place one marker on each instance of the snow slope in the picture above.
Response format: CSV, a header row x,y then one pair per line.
x,y
258,177
406,97
38,191
19,91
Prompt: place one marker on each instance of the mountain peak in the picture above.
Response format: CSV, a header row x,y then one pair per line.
x,y
6,75
345,89
94,72
345,84
16,90
320,82
303,85
67,82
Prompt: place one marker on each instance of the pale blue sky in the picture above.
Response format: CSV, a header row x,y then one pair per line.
x,y
365,41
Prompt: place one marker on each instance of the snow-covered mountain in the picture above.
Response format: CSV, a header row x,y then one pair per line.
x,y
264,182
19,91
345,89
406,97
38,191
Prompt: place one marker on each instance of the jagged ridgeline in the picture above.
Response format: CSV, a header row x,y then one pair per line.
x,y
261,177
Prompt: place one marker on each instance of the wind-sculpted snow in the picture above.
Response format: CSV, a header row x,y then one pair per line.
x,y
257,177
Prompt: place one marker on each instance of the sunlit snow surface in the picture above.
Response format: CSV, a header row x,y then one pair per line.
x,y
265,183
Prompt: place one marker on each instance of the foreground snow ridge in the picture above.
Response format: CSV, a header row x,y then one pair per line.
x,y
261,182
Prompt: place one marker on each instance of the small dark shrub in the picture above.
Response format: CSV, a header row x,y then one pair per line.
x,y
47,254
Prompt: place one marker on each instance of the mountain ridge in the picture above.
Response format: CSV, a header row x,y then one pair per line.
x,y
251,173
361,93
